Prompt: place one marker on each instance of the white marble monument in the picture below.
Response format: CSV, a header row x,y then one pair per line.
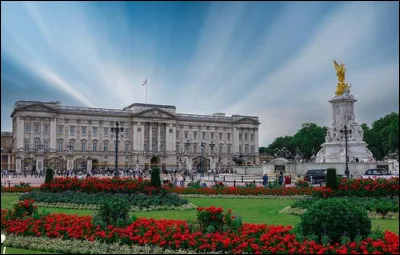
x,y
343,117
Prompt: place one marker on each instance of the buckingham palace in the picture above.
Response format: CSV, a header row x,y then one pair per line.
x,y
48,134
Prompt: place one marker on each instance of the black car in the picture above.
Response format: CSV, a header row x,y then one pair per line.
x,y
318,176
315,175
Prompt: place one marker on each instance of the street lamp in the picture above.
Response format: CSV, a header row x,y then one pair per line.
x,y
212,154
346,131
202,145
116,130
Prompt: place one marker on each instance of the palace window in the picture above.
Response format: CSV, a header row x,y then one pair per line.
x,y
127,132
126,147
245,136
72,130
252,149
228,136
212,135
46,145
105,146
220,136
46,128
83,145
220,147
37,143
94,145
195,134
105,131
240,149
229,149
246,148
177,134
204,135
84,131
252,137
37,127
195,148
27,127
60,145
95,130
186,134
72,144
60,129
26,144
240,136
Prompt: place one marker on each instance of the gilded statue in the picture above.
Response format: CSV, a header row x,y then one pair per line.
x,y
340,73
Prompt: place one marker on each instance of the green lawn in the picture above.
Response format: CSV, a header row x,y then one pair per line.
x,y
251,211
10,250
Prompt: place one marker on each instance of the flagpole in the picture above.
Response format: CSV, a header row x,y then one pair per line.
x,y
146,91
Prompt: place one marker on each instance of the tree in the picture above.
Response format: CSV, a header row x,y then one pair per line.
x,y
383,137
279,143
309,138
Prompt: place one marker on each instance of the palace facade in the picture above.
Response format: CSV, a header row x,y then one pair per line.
x,y
80,138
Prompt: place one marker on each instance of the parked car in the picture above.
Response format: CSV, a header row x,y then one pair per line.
x,y
315,175
377,173
318,176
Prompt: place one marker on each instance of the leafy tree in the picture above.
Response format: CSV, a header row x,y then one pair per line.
x,y
309,138
279,143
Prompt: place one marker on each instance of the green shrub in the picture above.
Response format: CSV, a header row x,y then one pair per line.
x,y
213,219
112,212
335,218
49,175
194,184
274,184
155,177
331,178
138,200
22,185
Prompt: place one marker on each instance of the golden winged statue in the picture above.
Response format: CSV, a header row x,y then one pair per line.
x,y
340,73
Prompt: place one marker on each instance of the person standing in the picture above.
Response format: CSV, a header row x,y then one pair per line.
x,y
265,180
280,177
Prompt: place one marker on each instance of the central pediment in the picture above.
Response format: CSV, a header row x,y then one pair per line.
x,y
155,113
247,120
36,107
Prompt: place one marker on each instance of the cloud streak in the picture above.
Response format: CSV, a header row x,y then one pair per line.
x,y
273,60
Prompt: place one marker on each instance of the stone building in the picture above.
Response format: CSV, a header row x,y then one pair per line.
x,y
80,138
7,158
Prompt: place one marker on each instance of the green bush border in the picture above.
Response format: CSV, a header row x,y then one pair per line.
x,y
184,207
371,215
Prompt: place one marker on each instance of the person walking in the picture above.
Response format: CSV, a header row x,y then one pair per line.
x,y
265,180
280,177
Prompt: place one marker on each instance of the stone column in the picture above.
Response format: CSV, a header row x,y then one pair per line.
x,y
158,136
53,134
150,136
20,133
9,162
135,138
167,145
89,166
18,164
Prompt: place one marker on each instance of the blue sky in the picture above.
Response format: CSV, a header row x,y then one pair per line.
x,y
266,59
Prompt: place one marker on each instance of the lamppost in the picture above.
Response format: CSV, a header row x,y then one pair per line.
x,y
187,146
137,161
212,155
69,157
346,131
202,145
116,130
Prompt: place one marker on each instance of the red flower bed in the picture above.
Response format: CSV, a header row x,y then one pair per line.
x,y
369,187
176,234
95,184
286,191
18,189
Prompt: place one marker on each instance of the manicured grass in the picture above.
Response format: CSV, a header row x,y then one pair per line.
x,y
251,210
11,250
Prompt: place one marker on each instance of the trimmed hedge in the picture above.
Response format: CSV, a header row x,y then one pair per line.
x,y
137,200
